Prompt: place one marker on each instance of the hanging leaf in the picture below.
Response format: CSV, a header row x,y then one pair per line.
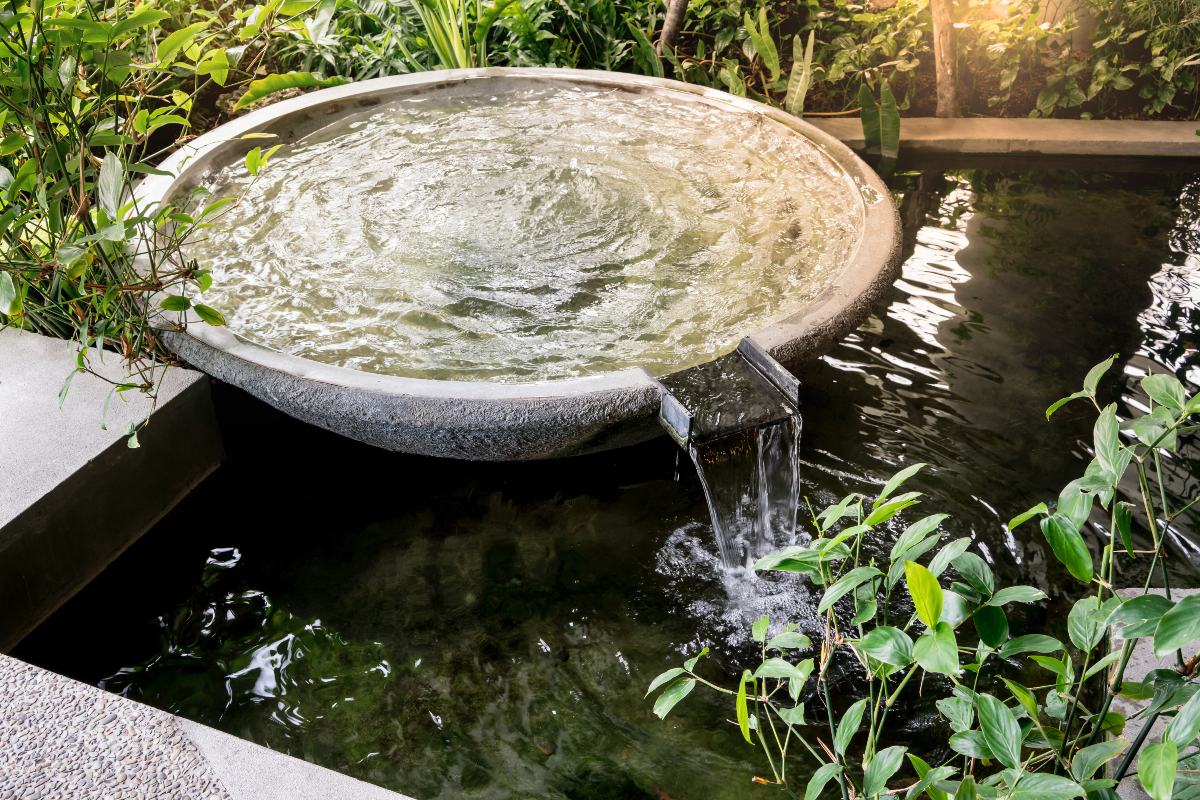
x,y
1068,545
1000,730
937,650
265,87
926,593
889,123
110,186
1156,769
670,697
10,298
171,45
824,774
1178,627
882,766
848,726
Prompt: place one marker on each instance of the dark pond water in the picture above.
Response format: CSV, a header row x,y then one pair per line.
x,y
454,630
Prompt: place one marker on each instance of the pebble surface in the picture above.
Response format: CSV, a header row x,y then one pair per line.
x,y
62,739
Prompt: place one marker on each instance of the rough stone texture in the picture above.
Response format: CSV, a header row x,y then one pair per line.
x,y
488,421
1047,137
1141,663
64,740
66,504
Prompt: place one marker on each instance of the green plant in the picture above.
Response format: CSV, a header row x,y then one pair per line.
x,y
90,97
880,121
1012,740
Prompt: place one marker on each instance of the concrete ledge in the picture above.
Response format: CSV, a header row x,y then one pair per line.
x,y
1024,136
73,495
63,739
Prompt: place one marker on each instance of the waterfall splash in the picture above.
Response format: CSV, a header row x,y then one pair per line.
x,y
738,418
751,481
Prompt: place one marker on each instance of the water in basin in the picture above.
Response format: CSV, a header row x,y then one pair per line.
x,y
543,232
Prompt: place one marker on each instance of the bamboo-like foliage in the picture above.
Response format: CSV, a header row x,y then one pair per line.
x,y
90,98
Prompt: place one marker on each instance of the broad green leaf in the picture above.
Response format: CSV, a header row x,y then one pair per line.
x,y
1022,518
215,64
846,584
947,555
916,533
1156,769
966,789
848,726
1030,643
991,624
1001,732
1178,627
1107,440
779,668
928,778
171,45
665,677
971,744
1023,696
110,185
976,573
139,19
1091,381
175,303
789,640
926,592
676,690
10,298
690,664
1044,786
888,645
1016,594
1166,390
793,715
937,650
264,87
824,774
1062,401
208,314
1085,623
881,768
1123,516
1088,760
959,711
891,508
758,631
955,608
1138,609
1068,546
743,713
896,481
1186,724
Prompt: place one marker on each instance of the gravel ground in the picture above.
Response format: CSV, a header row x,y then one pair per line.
x,y
62,739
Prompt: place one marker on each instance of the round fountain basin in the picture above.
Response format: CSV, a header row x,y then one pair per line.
x,y
497,264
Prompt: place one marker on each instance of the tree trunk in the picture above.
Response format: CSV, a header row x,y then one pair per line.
x,y
944,57
676,11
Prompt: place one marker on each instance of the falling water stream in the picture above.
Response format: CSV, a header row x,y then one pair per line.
x,y
738,417
751,481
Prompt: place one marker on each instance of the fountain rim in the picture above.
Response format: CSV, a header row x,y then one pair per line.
x,y
798,331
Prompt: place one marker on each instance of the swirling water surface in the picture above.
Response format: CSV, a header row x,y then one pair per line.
x,y
539,233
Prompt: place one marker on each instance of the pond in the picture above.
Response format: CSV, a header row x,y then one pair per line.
x,y
460,630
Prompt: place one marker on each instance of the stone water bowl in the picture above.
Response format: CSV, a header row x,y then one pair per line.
x,y
482,419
